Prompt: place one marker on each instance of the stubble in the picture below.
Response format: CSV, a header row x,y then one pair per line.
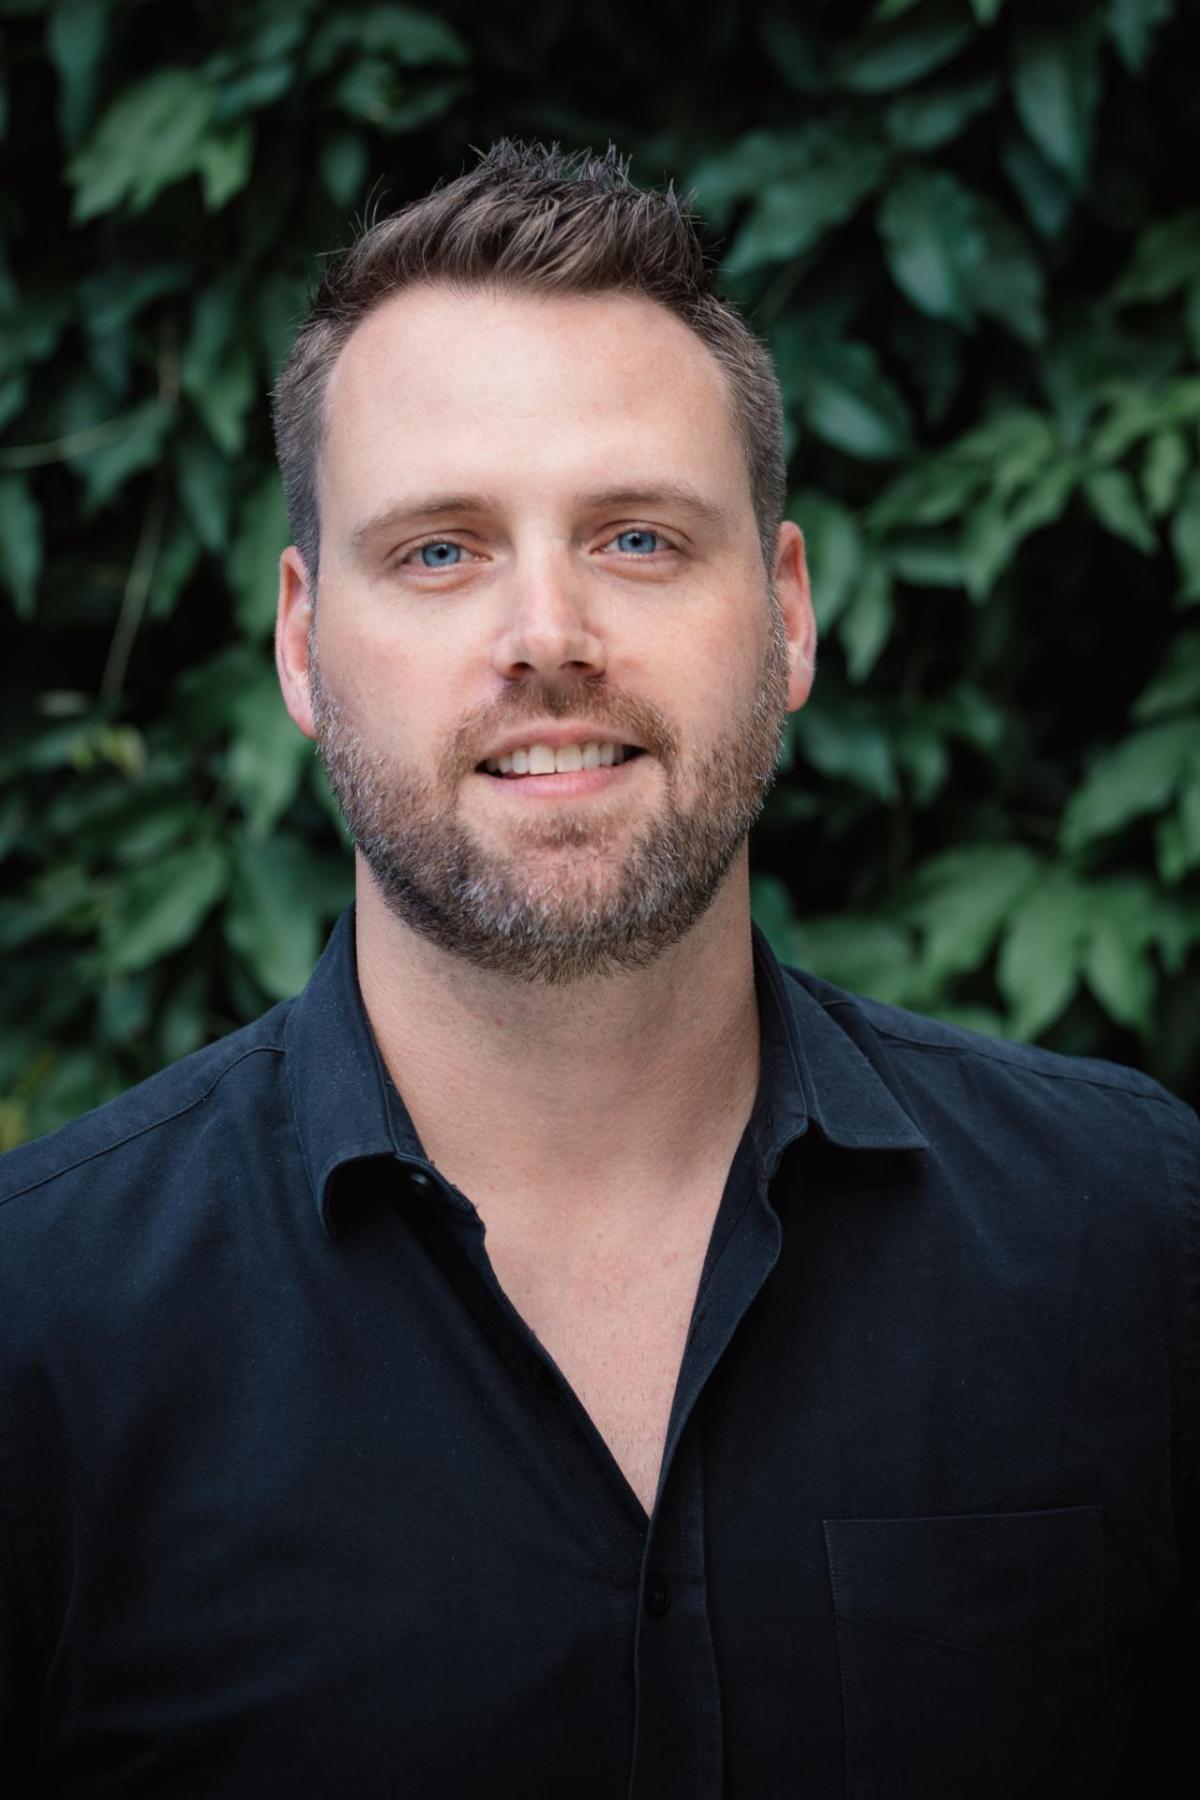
x,y
566,902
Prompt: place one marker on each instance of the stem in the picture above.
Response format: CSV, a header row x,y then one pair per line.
x,y
61,449
137,592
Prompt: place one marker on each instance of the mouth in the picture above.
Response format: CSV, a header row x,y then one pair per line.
x,y
539,760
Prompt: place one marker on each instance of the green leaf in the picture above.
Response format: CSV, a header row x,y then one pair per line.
x,y
107,468
149,137
1171,857
1165,259
174,568
216,369
1139,776
75,39
930,230
935,116
1115,965
933,560
895,53
344,161
1185,539
922,754
268,753
1188,814
252,91
1007,281
847,742
271,920
1136,413
157,909
1133,25
280,305
866,624
987,545
372,90
865,955
834,549
1038,967
223,160
20,542
1176,685
1046,197
262,535
14,390
1163,468
821,182
773,914
847,400
934,490
402,34
206,488
794,45
182,1019
1114,500
30,325
1056,86
744,168
962,899
1191,314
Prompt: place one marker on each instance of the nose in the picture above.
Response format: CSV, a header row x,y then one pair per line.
x,y
547,633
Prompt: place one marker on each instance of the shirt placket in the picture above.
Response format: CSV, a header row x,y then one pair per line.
x,y
677,1732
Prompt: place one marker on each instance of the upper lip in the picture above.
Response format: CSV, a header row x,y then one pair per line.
x,y
557,737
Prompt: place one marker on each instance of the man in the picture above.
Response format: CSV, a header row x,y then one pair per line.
x,y
564,1353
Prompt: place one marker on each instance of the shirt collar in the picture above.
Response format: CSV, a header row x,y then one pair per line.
x,y
347,1110
820,1070
338,1084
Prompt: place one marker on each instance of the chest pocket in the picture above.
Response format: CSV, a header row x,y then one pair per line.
x,y
971,1654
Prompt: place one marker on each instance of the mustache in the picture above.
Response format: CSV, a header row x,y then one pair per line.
x,y
626,719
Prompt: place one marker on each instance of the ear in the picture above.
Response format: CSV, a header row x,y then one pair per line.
x,y
292,621
795,603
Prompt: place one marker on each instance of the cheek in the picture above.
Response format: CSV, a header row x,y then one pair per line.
x,y
719,672
391,692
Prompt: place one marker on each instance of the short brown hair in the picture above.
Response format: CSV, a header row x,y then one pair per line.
x,y
530,218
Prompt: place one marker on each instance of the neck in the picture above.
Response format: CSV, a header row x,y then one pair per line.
x,y
628,1084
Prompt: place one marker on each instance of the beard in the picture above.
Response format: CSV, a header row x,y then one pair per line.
x,y
567,902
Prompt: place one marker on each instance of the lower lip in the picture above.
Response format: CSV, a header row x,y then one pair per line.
x,y
569,784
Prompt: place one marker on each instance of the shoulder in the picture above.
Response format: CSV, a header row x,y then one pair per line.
x,y
153,1116
948,1069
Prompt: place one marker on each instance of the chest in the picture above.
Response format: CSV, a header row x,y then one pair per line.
x,y
615,1323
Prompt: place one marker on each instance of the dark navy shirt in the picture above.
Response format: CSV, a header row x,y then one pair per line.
x,y
295,1504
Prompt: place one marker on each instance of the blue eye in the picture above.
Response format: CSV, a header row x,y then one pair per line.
x,y
440,554
637,541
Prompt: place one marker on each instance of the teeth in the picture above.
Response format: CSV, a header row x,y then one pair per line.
x,y
540,759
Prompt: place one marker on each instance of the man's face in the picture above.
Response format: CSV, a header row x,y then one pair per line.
x,y
538,551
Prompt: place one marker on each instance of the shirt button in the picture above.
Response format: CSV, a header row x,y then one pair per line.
x,y
657,1595
418,1178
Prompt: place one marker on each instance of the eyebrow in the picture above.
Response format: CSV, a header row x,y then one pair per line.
x,y
402,513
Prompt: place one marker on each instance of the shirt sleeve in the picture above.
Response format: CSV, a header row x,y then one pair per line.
x,y
1162,1735
20,1660
19,1683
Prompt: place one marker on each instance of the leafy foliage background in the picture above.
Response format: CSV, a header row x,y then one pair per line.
x,y
970,232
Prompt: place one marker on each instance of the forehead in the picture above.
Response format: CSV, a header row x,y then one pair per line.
x,y
461,388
